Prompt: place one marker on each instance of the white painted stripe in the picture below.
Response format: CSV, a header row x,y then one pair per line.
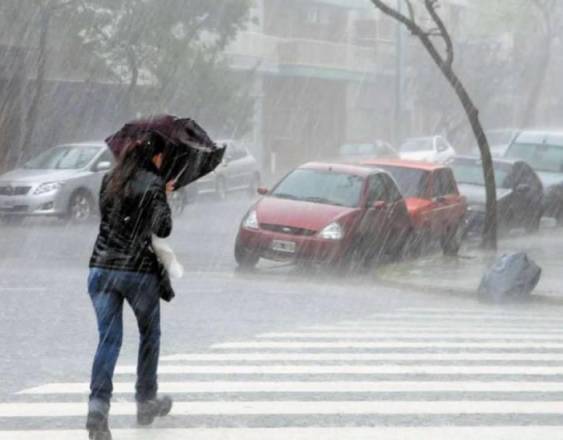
x,y
392,335
347,369
524,319
356,344
345,357
482,312
311,387
216,408
431,328
333,433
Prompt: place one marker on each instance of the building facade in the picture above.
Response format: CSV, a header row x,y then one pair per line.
x,y
323,73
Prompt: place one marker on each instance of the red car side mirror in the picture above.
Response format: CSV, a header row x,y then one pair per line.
x,y
262,191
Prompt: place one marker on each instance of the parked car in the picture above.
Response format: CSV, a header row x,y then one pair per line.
x,y
63,182
330,213
519,193
543,151
428,149
500,139
433,201
363,151
179,199
239,171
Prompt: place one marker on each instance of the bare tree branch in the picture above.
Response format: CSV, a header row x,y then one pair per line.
x,y
410,7
445,65
431,6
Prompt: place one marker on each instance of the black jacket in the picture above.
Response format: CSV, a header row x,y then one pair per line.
x,y
128,222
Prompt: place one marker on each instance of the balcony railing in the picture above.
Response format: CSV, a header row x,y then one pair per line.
x,y
313,53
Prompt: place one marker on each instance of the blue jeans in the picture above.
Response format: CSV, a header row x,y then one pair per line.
x,y
108,289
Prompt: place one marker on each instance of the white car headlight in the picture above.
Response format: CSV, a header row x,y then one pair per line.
x,y
251,220
47,188
332,232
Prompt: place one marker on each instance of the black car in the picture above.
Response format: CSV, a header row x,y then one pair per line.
x,y
543,150
519,193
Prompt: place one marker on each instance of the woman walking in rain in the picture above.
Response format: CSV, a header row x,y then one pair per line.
x,y
124,267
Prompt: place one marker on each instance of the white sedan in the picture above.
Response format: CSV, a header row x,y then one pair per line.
x,y
427,149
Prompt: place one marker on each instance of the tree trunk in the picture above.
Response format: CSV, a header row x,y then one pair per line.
x,y
489,239
33,112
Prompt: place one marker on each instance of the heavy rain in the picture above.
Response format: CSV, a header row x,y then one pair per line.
x,y
281,219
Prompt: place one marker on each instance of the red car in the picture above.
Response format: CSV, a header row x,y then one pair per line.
x,y
331,213
430,190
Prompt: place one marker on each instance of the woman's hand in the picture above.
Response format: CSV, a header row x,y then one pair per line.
x,y
170,186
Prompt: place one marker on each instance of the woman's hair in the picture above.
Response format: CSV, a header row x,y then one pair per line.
x,y
136,155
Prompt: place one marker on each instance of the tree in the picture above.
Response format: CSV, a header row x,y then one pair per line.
x,y
174,48
428,36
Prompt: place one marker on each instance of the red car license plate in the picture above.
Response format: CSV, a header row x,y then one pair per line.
x,y
283,246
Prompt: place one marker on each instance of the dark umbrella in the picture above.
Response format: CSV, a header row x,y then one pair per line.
x,y
189,153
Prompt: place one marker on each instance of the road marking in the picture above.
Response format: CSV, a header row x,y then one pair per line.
x,y
431,328
347,369
453,317
356,344
345,357
333,433
481,312
268,407
397,335
312,387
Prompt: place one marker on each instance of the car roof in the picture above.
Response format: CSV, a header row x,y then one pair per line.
x,y
98,144
496,160
414,164
551,137
339,168
420,138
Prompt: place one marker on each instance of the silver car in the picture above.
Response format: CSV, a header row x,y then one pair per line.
x,y
239,171
63,182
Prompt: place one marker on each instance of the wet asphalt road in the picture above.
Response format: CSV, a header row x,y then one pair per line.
x,y
48,335
48,326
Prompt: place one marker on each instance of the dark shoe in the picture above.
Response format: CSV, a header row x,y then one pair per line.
x,y
97,426
148,410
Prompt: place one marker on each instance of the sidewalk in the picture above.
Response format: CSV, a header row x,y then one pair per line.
x,y
461,275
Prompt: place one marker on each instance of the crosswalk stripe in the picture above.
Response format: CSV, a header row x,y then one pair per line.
x,y
333,433
523,320
348,369
399,344
442,325
215,408
429,343
432,328
350,357
485,312
392,335
312,387
453,314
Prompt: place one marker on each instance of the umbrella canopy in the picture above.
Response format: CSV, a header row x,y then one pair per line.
x,y
189,153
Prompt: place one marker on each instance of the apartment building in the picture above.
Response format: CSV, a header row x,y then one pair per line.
x,y
323,76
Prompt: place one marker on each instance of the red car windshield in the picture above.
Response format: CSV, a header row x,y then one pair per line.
x,y
412,182
319,186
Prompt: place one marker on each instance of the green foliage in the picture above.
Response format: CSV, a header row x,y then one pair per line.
x,y
172,51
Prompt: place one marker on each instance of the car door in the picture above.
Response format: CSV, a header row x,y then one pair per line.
x,y
235,167
373,220
95,179
397,223
447,207
245,164
443,150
